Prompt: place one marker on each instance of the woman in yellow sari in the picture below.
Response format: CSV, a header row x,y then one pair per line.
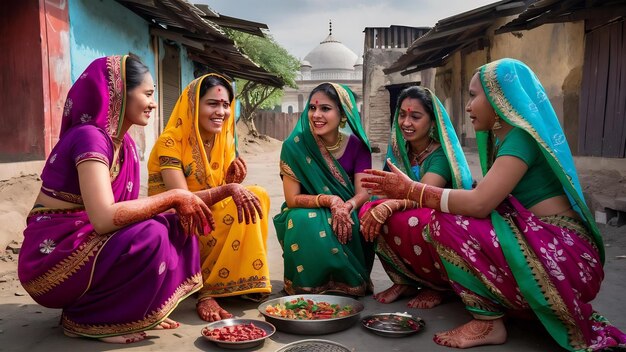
x,y
197,151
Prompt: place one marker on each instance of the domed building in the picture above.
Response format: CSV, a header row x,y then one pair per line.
x,y
330,61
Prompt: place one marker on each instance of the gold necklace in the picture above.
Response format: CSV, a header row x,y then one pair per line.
x,y
418,156
208,143
335,146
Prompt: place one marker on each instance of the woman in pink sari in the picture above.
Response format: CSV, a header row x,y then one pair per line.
x,y
116,265
424,145
523,241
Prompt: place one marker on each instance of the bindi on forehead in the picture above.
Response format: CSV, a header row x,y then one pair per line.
x,y
316,102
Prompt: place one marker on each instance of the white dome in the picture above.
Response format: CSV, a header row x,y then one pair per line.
x,y
359,61
305,63
331,54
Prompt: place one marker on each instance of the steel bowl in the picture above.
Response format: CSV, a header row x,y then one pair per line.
x,y
393,324
314,327
236,345
314,345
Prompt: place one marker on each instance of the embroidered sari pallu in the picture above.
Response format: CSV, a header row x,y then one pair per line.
x,y
314,259
404,250
233,255
515,260
107,284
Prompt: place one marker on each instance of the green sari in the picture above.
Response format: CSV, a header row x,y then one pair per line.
x,y
314,260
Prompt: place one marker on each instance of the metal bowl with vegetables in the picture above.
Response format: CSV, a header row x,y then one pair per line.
x,y
311,314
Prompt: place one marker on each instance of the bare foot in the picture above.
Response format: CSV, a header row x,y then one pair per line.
x,y
393,293
167,324
209,310
426,298
124,339
473,333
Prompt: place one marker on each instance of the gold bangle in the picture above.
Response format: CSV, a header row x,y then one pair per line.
x,y
317,200
410,190
375,218
422,194
388,208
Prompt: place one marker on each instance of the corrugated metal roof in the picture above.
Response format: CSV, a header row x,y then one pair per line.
x,y
453,34
198,31
558,11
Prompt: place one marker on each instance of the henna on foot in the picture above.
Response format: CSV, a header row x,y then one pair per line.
x,y
473,333
209,310
426,298
393,293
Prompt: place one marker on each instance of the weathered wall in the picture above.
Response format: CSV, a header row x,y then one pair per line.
x,y
376,114
555,52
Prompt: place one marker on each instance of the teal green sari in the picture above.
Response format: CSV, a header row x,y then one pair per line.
x,y
314,260
444,134
515,260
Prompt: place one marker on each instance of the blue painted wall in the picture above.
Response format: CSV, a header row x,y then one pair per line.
x,y
186,68
101,28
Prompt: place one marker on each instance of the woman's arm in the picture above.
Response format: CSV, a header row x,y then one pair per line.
x,y
501,179
248,205
107,216
505,173
174,178
340,210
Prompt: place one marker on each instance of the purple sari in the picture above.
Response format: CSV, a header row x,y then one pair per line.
x,y
107,284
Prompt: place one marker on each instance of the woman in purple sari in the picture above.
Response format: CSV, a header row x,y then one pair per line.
x,y
115,264
523,241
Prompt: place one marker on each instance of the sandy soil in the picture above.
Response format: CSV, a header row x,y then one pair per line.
x,y
28,326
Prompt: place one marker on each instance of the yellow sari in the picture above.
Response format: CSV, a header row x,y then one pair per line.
x,y
234,255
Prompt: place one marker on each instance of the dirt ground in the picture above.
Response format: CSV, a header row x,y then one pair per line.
x,y
24,325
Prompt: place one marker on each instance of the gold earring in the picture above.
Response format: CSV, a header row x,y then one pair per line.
x,y
496,125
342,122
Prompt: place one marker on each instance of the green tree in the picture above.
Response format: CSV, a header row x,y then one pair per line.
x,y
272,57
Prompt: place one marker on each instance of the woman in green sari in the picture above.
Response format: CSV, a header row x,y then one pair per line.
x,y
523,242
321,164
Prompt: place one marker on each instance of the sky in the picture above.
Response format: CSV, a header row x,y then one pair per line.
x,y
300,25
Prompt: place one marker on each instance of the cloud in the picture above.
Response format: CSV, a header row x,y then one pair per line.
x,y
299,26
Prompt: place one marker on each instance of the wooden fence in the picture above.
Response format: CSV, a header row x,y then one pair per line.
x,y
277,125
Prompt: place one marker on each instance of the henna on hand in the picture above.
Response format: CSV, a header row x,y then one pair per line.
x,y
341,220
394,184
373,220
237,171
305,201
247,203
432,198
195,216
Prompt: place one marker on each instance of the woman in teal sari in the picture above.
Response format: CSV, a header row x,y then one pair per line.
x,y
423,144
321,166
522,241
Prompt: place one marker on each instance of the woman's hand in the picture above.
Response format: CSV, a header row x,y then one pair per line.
x,y
341,220
373,220
237,171
395,184
247,203
195,216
